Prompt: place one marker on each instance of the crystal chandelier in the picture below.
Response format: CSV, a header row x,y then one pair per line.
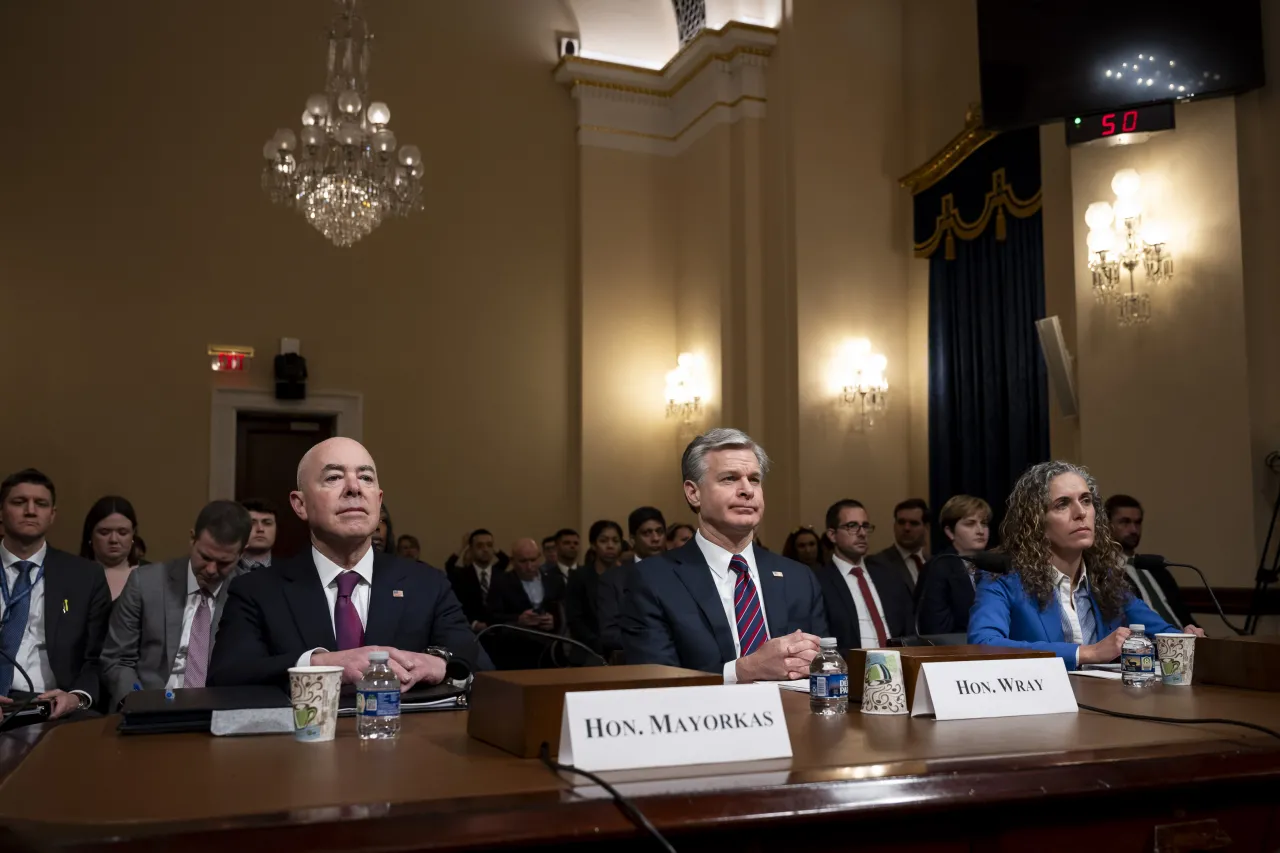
x,y
1128,245
858,373
686,388
342,172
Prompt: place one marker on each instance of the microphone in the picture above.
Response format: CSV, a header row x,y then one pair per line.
x,y
1147,562
992,562
543,635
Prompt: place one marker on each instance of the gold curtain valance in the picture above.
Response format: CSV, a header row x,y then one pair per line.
x,y
950,224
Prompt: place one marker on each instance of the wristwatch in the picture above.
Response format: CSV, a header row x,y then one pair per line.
x,y
440,652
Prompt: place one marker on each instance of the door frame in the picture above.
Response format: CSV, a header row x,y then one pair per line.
x,y
346,407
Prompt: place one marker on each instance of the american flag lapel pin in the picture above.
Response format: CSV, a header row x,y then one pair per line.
x,y
397,593
777,574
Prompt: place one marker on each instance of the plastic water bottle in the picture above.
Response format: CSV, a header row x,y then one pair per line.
x,y
378,700
1138,659
829,681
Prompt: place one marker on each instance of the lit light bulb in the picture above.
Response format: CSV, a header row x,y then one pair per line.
x,y
379,113
1170,63
1140,56
1182,88
308,120
1118,75
318,105
1126,183
1101,240
1108,72
1170,85
349,102
269,150
1150,81
410,155
1127,208
1099,215
1154,234
285,139
312,136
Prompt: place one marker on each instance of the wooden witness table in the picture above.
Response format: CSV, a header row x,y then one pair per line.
x,y
1083,782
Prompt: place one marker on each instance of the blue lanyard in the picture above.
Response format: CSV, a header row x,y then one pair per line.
x,y
7,594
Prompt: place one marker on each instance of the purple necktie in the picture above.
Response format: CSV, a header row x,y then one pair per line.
x,y
752,633
198,643
346,620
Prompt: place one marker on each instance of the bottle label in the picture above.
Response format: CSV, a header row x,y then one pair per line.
x,y
378,703
829,686
1143,662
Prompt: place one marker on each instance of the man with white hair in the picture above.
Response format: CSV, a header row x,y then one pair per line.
x,y
720,603
341,600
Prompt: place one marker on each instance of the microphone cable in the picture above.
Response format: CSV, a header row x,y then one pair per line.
x,y
1146,561
1221,721
627,807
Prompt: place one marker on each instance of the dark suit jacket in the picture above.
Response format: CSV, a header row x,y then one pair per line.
x,y
895,599
466,586
145,630
609,594
671,613
273,615
581,605
507,600
1172,594
945,596
890,558
73,639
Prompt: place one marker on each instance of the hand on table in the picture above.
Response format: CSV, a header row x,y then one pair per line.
x,y
421,668
63,702
1105,650
779,659
1192,629
355,661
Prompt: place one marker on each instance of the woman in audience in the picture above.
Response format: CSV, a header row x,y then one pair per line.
x,y
677,535
107,539
1067,592
804,546
584,583
947,584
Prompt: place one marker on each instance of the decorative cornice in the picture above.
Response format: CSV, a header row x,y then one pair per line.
x,y
969,140
717,78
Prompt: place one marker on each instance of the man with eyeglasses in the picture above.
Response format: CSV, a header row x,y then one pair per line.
x,y
866,604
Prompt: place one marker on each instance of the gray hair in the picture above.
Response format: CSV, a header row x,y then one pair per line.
x,y
693,465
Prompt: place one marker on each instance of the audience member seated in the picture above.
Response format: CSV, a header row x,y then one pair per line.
x,y
107,539
804,546
340,600
528,595
566,558
408,547
1067,592
678,535
907,554
471,581
262,536
949,581
464,557
718,603
1155,586
164,624
383,537
582,598
38,588
866,603
649,531
549,551
139,555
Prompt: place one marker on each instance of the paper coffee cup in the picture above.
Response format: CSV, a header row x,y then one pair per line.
x,y
1176,655
313,693
883,689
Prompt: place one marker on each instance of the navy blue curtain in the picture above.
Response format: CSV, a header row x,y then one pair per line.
x,y
980,226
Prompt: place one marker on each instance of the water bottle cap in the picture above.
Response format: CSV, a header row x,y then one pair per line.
x,y
1142,628
827,643
379,657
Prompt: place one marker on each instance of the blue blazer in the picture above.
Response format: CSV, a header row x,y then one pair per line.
x,y
1003,614
671,612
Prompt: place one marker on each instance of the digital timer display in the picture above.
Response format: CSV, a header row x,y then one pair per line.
x,y
1146,119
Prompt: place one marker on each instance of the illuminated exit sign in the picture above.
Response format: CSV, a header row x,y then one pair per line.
x,y
229,358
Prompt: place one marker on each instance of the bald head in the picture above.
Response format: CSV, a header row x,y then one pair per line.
x,y
338,494
526,558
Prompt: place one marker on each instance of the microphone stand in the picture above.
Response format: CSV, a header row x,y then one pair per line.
x,y
1265,576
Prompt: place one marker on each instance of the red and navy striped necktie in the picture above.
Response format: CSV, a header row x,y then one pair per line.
x,y
752,633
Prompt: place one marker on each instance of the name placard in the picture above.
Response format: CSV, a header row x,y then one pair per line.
x,y
671,726
1015,687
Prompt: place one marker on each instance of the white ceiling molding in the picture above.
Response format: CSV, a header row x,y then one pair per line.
x,y
635,32
717,79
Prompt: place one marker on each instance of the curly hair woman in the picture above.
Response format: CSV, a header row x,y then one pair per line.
x,y
1067,592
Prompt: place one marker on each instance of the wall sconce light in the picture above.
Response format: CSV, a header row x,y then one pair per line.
x,y
229,358
1117,238
858,373
686,387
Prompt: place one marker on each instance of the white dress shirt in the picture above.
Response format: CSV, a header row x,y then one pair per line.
x,y
718,560
911,564
32,655
866,627
329,571
177,674
484,574
534,590
564,570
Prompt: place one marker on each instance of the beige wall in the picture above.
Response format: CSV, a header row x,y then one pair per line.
x,y
137,235
1165,408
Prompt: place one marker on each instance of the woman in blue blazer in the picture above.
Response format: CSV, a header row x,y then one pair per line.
x,y
1067,591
